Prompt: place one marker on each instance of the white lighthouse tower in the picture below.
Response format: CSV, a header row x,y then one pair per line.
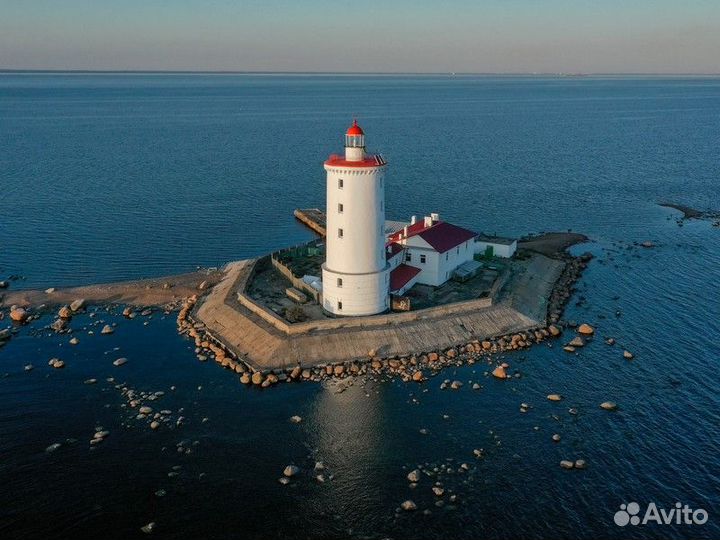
x,y
356,275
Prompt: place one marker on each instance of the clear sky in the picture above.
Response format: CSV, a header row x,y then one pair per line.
x,y
508,36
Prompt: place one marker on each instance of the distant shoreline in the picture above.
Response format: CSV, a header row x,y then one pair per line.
x,y
12,71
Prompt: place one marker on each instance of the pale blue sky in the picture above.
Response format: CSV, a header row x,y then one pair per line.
x,y
590,36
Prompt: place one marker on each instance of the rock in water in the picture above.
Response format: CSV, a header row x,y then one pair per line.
x,y
586,330
556,437
28,367
554,397
628,355
53,447
65,313
554,330
291,470
499,372
414,476
608,405
107,329
18,314
296,419
438,491
149,528
567,464
257,378
417,376
74,341
120,361
408,506
577,342
77,305
580,464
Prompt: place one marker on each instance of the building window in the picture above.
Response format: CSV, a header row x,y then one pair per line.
x,y
340,208
340,233
446,256
339,305
339,282
340,183
408,257
422,259
457,250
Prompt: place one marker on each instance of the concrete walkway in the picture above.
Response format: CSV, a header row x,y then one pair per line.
x,y
263,346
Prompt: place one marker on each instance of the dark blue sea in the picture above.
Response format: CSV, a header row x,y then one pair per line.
x,y
118,176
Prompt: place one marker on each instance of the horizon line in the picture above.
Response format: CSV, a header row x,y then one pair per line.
x,y
361,73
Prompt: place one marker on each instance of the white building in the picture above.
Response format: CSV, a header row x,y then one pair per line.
x,y
427,252
495,246
356,274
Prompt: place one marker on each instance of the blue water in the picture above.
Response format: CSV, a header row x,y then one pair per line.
x,y
106,177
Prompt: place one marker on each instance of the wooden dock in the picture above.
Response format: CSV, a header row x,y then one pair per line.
x,y
314,218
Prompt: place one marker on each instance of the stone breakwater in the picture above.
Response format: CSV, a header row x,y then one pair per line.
x,y
408,368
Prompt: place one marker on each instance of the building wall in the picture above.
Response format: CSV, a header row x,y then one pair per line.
x,y
438,267
499,250
357,257
359,294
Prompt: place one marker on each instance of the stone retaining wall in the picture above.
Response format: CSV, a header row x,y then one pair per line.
x,y
385,319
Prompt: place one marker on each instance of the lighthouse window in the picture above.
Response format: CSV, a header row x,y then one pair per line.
x,y
340,233
339,282
340,208
340,183
339,305
422,259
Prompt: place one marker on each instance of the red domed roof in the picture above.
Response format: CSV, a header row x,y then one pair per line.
x,y
355,129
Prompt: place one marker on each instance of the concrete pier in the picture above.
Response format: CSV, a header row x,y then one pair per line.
x,y
265,343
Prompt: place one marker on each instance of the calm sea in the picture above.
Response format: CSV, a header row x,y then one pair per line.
x,y
107,177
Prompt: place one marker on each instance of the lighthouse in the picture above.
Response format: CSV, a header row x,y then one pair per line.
x,y
356,274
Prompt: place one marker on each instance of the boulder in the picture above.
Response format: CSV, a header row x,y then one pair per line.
x,y
417,376
119,362
580,464
74,341
291,470
18,314
338,370
567,464
433,357
245,378
569,348
554,330
499,372
577,342
64,312
56,363
586,330
627,355
556,437
456,385
554,397
257,378
77,305
295,373
107,329
608,405
438,491
408,506
296,419
414,476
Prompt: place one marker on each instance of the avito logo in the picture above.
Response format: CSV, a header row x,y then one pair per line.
x,y
680,514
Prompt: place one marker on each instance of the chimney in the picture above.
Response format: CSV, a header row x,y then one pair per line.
x,y
428,221
435,217
405,230
413,220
